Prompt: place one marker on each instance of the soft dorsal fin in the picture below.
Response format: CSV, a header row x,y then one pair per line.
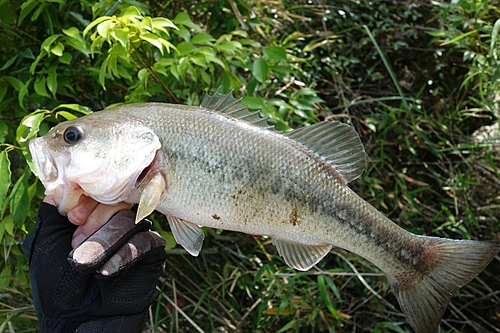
x,y
337,143
227,104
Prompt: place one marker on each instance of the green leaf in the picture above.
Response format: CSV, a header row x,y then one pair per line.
x,y
52,80
48,42
37,60
183,18
4,130
103,29
72,32
94,23
16,83
202,38
253,102
75,107
26,8
291,324
5,175
153,40
121,35
28,128
229,47
494,35
23,92
10,62
40,86
57,49
169,239
324,295
162,22
199,60
252,83
185,48
66,58
183,33
102,72
8,225
275,53
459,37
66,115
260,70
19,199
3,90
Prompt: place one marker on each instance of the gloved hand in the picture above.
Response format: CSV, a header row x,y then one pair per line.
x,y
104,285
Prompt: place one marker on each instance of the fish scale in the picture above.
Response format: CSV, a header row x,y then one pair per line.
x,y
219,165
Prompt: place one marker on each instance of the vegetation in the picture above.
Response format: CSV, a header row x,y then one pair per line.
x,y
418,80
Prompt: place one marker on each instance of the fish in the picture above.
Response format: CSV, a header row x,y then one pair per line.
x,y
222,166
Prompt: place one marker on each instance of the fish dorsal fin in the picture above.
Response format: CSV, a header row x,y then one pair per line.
x,y
188,234
337,143
299,256
227,104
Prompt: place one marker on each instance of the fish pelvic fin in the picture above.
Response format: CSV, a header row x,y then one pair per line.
x,y
424,295
187,234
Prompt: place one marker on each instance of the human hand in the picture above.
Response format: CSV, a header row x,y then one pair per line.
x,y
111,281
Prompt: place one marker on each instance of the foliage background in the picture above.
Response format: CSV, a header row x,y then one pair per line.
x,y
419,81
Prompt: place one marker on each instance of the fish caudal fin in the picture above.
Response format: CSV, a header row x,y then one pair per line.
x,y
423,296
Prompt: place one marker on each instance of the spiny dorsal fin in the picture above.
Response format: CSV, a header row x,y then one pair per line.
x,y
227,104
337,143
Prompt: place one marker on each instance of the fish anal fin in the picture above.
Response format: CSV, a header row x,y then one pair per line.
x,y
337,143
150,196
228,105
187,234
299,256
424,296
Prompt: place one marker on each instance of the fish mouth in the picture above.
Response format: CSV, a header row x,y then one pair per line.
x,y
65,194
150,171
45,166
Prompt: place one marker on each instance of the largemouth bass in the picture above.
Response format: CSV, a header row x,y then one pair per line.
x,y
221,166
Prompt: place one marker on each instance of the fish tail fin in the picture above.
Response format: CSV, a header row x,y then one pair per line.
x,y
424,295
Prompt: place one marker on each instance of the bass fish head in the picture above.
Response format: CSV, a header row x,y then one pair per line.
x,y
95,155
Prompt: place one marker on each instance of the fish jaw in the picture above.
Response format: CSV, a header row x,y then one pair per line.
x,y
65,196
64,193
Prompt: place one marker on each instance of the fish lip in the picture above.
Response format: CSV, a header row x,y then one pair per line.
x,y
45,167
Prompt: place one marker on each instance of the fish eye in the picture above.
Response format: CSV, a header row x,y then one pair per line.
x,y
72,135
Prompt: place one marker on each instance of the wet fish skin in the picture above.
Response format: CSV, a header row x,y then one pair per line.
x,y
218,166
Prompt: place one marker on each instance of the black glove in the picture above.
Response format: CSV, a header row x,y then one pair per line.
x,y
108,282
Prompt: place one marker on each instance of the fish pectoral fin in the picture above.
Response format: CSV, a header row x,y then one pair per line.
x,y
300,256
188,234
150,196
